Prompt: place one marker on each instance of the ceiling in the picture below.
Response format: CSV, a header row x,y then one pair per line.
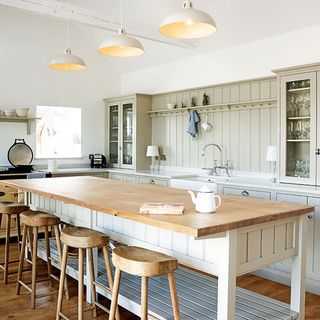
x,y
238,21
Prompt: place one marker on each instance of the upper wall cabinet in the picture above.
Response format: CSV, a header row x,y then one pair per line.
x,y
128,131
299,160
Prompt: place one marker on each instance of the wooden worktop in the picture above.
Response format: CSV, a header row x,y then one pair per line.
x,y
124,200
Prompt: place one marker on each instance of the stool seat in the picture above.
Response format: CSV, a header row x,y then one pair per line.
x,y
39,219
12,208
80,237
143,262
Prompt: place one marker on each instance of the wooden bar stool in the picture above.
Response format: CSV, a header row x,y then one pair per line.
x,y
84,239
8,209
33,220
145,263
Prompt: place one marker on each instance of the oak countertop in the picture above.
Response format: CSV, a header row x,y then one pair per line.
x,y
124,200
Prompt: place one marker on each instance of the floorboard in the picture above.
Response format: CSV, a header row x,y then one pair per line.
x,y
18,307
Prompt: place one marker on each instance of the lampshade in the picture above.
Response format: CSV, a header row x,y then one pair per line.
x,y
271,153
152,151
121,46
67,61
188,23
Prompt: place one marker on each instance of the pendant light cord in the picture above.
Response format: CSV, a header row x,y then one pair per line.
x,y
121,15
68,27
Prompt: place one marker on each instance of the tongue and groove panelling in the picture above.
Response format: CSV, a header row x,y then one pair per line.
x,y
243,132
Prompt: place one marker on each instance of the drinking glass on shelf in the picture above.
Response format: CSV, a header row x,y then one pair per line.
x,y
298,129
292,105
306,130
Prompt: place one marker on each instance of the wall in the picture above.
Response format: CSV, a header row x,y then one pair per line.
x,y
28,43
246,61
243,132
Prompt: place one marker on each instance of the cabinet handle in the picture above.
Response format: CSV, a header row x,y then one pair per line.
x,y
310,216
152,181
2,194
317,152
245,193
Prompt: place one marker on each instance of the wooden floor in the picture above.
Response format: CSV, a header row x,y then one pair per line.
x,y
18,307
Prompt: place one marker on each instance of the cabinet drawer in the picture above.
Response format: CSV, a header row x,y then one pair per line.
x,y
115,176
122,177
291,198
247,193
131,179
152,180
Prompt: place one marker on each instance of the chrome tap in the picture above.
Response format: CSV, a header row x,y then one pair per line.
x,y
216,166
211,144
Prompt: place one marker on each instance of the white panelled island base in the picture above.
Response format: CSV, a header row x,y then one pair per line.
x,y
267,233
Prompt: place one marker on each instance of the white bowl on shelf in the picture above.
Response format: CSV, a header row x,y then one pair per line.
x,y
171,106
22,112
9,113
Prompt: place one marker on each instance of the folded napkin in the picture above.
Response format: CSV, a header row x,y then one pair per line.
x,y
193,123
36,175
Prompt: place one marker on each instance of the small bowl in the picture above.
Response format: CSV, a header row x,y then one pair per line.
x,y
22,112
171,106
9,113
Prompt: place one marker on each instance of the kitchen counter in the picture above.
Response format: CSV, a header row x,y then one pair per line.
x,y
107,196
242,236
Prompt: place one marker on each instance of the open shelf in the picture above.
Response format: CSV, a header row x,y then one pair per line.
x,y
299,118
211,107
298,140
28,121
197,293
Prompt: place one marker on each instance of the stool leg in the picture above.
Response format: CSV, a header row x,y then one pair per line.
x,y
22,252
6,254
62,280
57,235
18,232
80,283
30,240
46,235
93,287
115,292
105,251
144,298
174,296
34,267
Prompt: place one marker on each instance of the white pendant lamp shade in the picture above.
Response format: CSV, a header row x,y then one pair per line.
x,y
67,61
121,46
188,23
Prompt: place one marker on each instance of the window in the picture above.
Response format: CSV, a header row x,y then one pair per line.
x,y
58,132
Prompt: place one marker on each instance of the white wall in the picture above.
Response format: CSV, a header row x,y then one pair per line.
x,y
28,43
245,61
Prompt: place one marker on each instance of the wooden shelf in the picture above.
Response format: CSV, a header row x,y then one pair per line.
x,y
299,118
212,107
28,121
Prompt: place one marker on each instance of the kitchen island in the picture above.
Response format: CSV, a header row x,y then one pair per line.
x,y
242,236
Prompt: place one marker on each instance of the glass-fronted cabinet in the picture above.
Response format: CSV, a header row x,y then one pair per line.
x,y
128,131
298,128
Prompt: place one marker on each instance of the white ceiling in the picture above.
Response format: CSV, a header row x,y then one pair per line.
x,y
238,21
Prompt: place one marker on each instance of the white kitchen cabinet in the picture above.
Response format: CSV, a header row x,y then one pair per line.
x,y
153,180
122,177
128,131
299,126
245,192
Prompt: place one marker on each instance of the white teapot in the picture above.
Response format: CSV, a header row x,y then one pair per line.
x,y
206,200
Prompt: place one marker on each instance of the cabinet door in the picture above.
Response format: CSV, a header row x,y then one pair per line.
x,y
113,137
298,128
127,156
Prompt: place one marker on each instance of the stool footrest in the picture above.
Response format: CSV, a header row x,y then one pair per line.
x,y
101,286
63,316
25,285
3,267
98,304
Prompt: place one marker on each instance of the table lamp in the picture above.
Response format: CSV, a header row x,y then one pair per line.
x,y
272,157
153,151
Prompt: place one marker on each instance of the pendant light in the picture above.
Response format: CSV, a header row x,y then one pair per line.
x,y
121,45
67,61
188,23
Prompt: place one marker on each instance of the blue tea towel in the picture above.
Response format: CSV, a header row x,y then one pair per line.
x,y
193,123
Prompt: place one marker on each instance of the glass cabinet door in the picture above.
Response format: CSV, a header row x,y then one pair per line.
x,y
298,136
114,135
127,134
